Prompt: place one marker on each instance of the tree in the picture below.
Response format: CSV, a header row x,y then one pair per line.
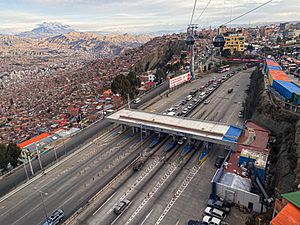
x,y
121,85
160,75
134,81
9,154
13,153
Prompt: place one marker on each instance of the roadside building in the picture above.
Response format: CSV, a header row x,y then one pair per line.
x,y
235,43
243,178
287,209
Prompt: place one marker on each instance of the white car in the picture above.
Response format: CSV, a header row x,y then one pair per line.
x,y
206,102
136,101
211,220
211,211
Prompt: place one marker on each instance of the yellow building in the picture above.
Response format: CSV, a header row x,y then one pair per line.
x,y
235,42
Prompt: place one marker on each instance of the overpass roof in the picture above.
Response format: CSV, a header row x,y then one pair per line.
x,y
196,129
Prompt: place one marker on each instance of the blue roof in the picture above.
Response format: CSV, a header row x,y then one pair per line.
x,y
232,134
292,87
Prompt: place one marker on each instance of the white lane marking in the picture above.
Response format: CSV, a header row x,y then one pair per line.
x,y
144,174
146,217
104,203
177,222
180,190
47,170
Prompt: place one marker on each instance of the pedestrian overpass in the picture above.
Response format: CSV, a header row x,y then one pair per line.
x,y
180,126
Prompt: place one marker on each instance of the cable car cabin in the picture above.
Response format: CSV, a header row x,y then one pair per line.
x,y
190,40
219,41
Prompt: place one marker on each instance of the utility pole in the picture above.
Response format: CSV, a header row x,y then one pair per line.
x,y
191,42
128,101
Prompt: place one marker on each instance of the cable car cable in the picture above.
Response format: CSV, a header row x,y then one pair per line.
x,y
238,17
203,11
195,3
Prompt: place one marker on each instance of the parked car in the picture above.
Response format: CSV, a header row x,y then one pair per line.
x,y
211,220
185,110
219,161
56,217
224,206
121,206
196,222
211,211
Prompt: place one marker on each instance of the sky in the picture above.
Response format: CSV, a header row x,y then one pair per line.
x,y
139,16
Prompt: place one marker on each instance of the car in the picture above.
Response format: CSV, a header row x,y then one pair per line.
x,y
171,109
136,101
179,114
189,97
211,220
195,100
171,113
215,85
196,222
56,217
206,102
177,105
181,140
219,161
211,211
138,165
207,85
239,69
230,90
190,106
201,88
224,206
119,208
241,114
185,110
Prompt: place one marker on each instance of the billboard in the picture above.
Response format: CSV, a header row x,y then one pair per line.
x,y
180,80
245,60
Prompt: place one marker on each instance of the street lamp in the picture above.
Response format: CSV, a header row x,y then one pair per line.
x,y
42,193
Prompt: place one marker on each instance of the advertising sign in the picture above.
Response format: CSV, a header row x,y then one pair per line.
x,y
180,80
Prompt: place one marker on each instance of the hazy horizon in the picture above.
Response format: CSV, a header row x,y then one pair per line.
x,y
141,16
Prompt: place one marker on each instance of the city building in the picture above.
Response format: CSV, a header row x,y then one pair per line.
x,y
287,209
235,42
243,177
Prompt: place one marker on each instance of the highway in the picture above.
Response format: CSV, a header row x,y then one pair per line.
x,y
72,183
158,198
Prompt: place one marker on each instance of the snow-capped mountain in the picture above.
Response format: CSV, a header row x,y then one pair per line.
x,y
47,30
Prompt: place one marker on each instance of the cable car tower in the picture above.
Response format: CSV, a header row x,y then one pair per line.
x,y
190,41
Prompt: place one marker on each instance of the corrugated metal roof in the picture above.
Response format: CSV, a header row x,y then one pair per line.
x,y
292,87
293,197
289,215
33,140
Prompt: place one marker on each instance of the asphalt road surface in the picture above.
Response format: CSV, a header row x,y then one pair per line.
x,y
155,200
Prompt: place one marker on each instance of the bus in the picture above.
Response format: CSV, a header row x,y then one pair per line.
x,y
223,69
